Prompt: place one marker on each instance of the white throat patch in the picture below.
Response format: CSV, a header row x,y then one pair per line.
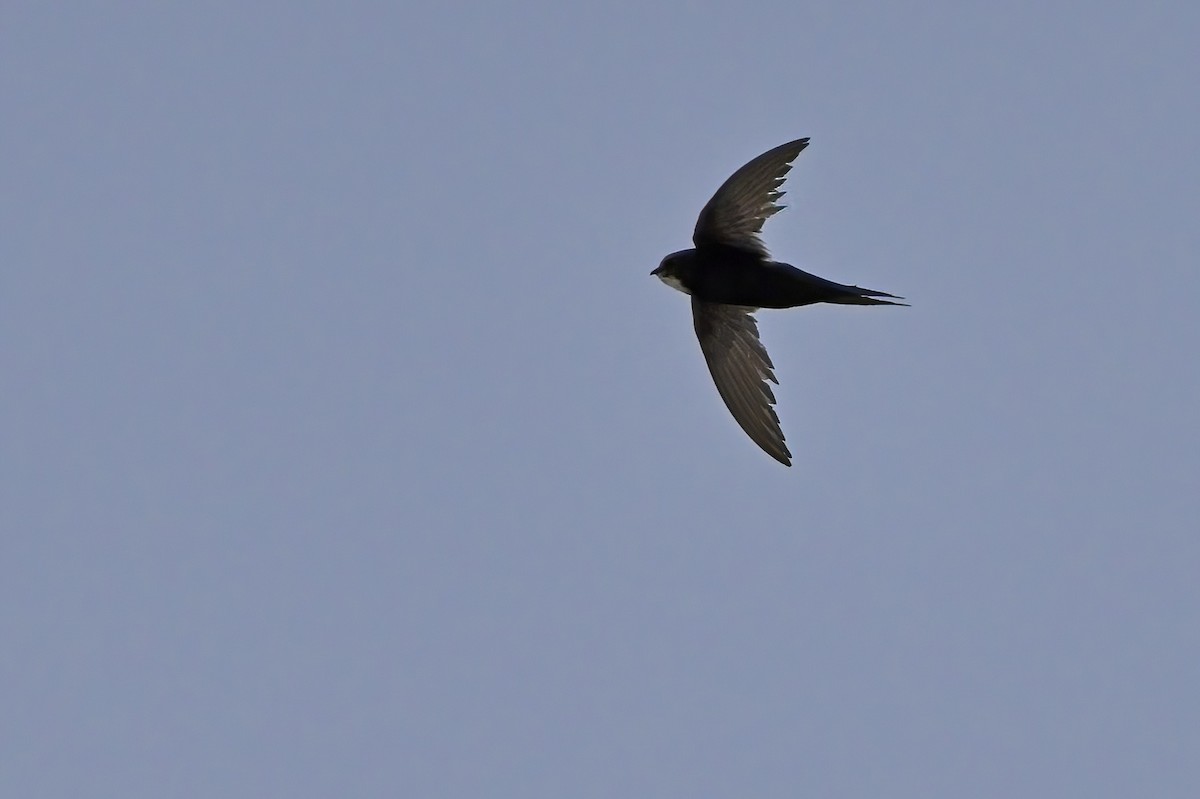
x,y
674,283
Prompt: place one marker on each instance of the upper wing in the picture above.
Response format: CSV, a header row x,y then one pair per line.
x,y
735,214
741,368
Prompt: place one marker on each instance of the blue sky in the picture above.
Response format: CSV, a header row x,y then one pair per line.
x,y
350,449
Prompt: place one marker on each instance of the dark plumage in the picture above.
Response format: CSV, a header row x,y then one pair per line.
x,y
729,275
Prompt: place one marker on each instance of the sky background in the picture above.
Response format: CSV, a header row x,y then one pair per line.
x,y
349,448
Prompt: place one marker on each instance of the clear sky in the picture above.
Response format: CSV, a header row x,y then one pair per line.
x,y
349,448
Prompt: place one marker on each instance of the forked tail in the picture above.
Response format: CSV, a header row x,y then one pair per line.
x,y
853,295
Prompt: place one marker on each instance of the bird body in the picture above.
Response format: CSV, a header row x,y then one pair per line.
x,y
729,275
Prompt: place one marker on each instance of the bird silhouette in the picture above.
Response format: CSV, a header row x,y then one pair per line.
x,y
729,275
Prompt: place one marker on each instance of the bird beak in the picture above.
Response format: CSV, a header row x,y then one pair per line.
x,y
656,270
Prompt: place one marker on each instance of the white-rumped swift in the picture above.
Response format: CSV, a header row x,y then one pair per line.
x,y
729,275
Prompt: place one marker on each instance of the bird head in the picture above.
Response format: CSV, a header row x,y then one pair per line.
x,y
673,268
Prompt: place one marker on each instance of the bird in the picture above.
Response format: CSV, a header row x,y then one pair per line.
x,y
729,275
